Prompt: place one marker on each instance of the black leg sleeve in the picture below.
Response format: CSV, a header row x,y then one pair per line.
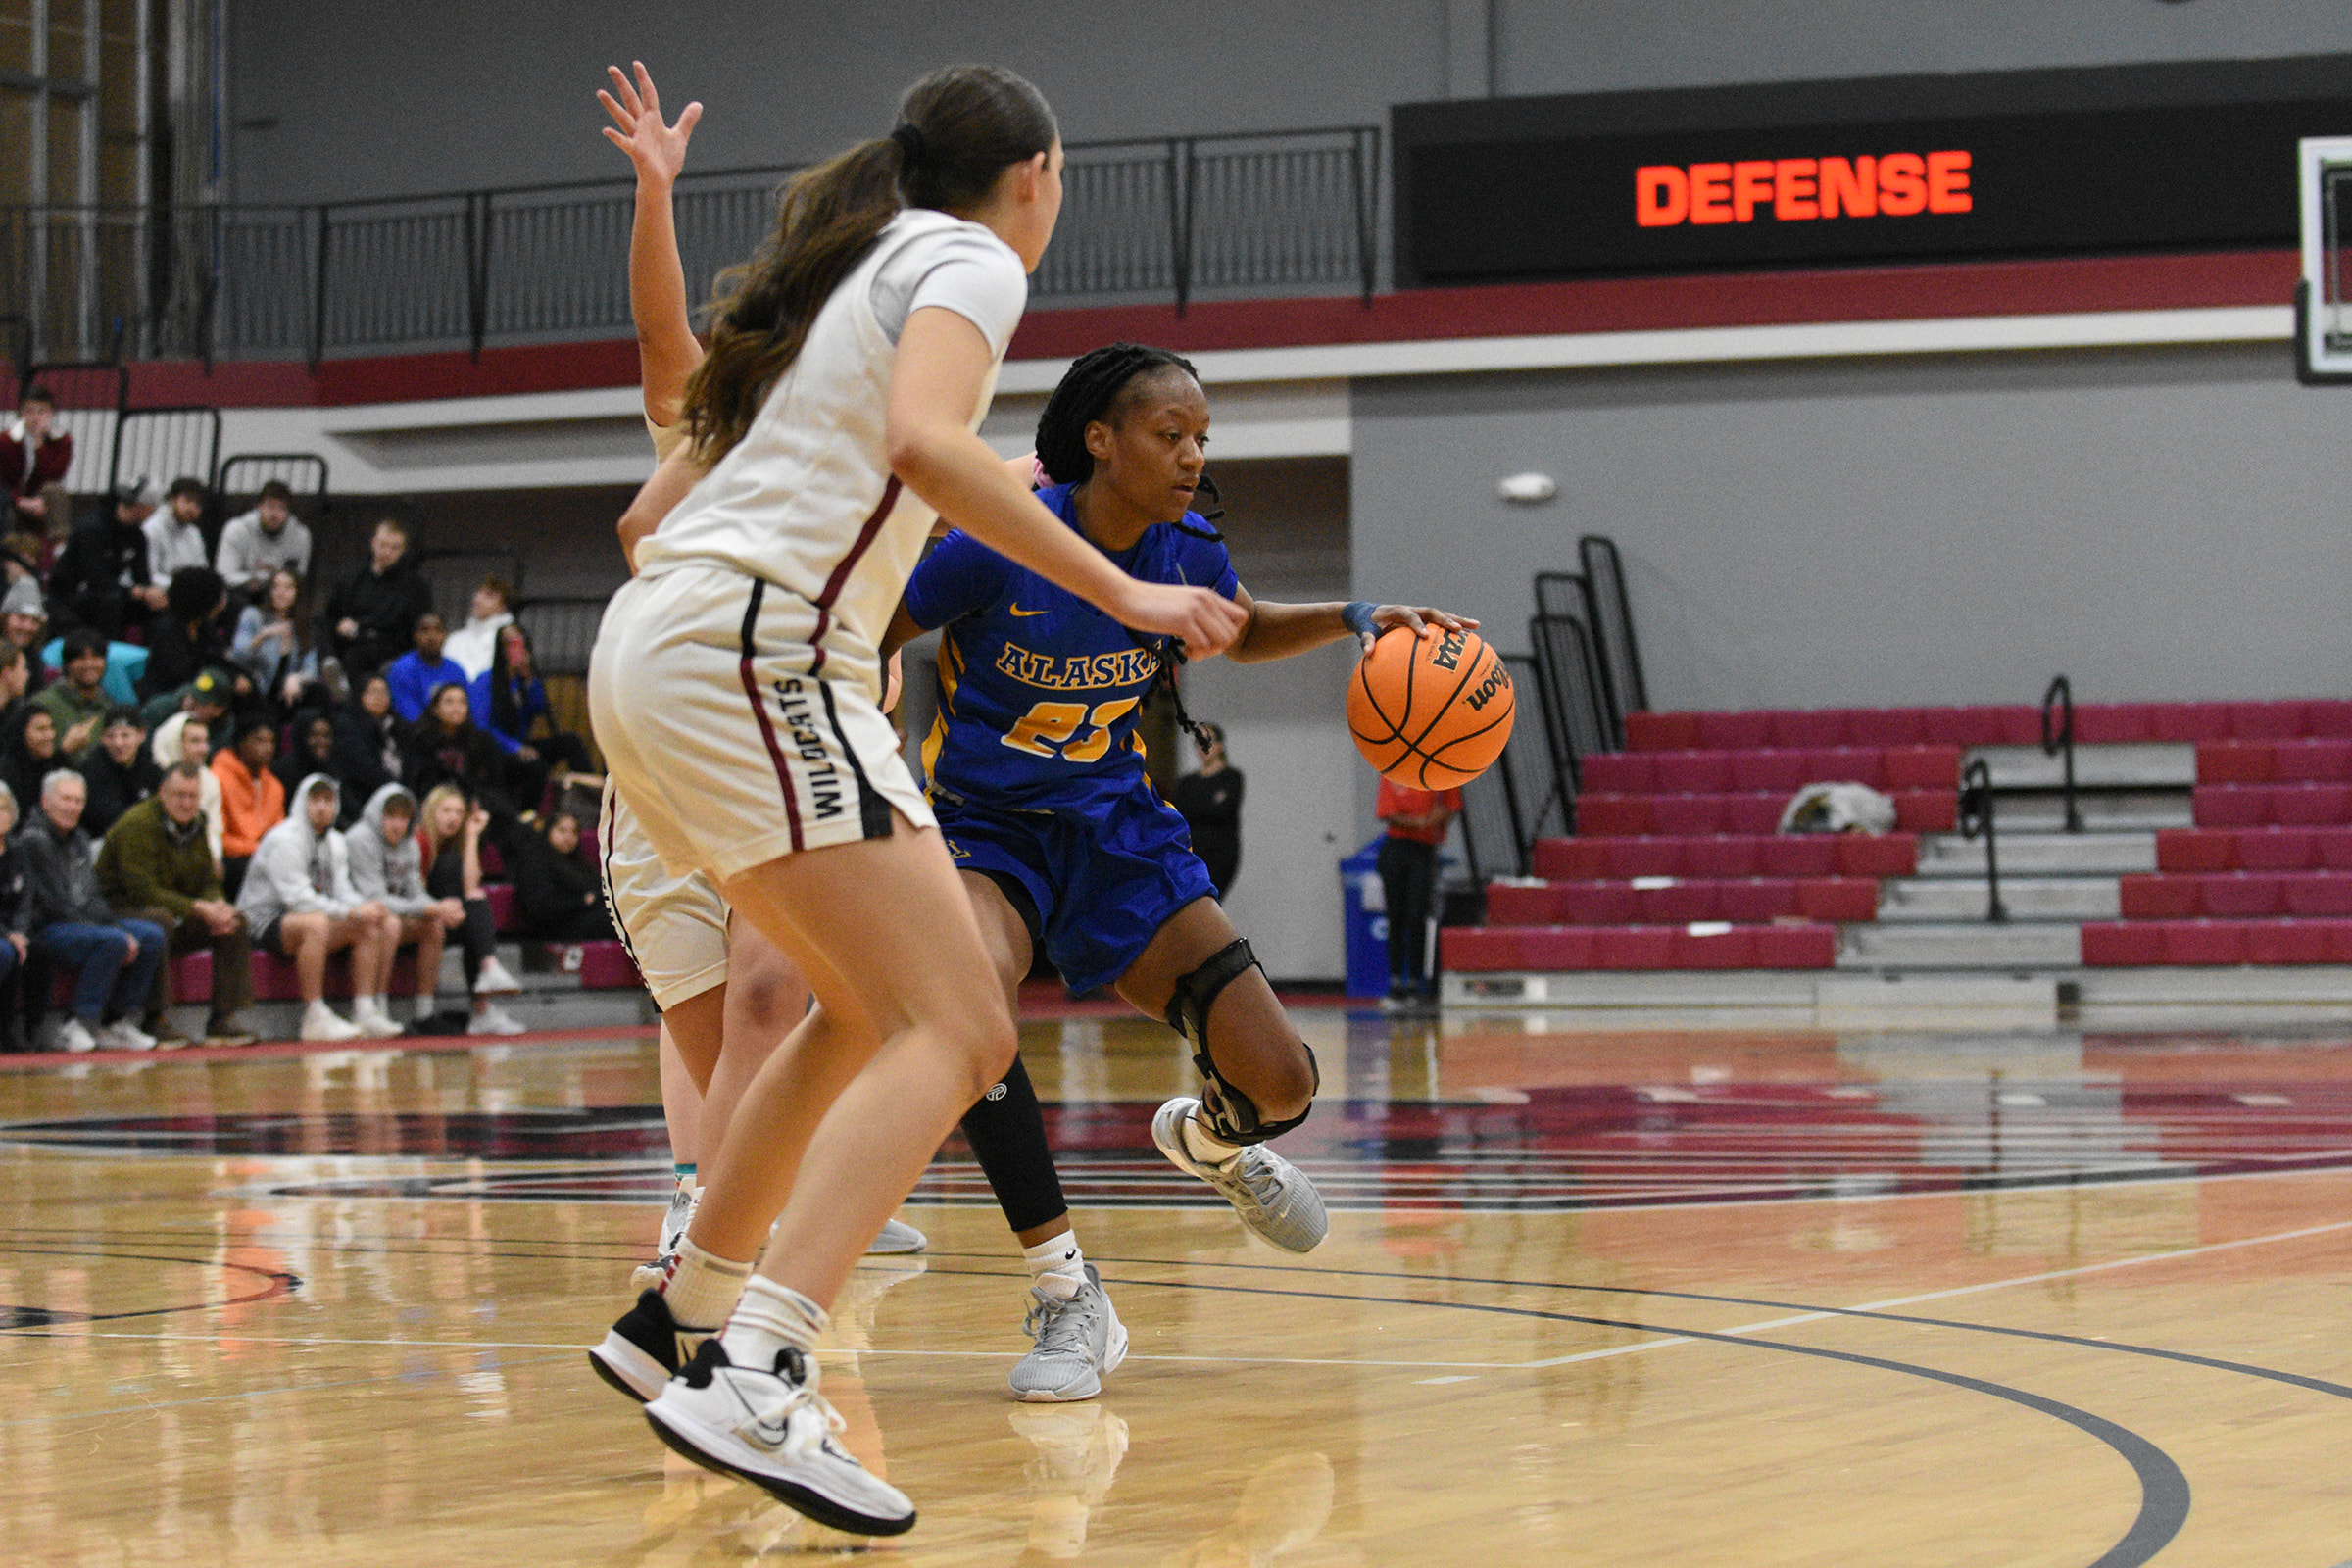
x,y
1007,1130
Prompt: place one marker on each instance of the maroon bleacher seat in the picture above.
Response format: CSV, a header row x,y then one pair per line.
x,y
2267,721
2317,894
607,967
2110,723
2288,941
505,907
1772,855
2229,805
2236,762
2123,945
1885,726
2242,895
1660,732
2204,941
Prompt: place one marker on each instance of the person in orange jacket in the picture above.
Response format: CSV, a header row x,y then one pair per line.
x,y
252,799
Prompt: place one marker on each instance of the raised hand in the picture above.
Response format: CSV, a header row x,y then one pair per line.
x,y
658,150
1415,618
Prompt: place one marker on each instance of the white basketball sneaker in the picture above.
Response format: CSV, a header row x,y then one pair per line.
x,y
1273,1196
1077,1341
775,1431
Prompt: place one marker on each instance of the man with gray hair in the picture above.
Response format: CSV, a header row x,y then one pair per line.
x,y
68,918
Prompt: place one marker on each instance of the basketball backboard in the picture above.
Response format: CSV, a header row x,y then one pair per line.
x,y
2323,297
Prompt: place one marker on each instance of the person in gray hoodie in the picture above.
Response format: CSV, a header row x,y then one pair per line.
x,y
387,865
299,903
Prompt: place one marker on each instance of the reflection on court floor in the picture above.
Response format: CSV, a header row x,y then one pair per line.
x,y
1714,1296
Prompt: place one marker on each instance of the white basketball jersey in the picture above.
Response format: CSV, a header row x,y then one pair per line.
x,y
806,499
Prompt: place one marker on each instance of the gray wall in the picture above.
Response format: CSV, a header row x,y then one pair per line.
x,y
2155,523
375,99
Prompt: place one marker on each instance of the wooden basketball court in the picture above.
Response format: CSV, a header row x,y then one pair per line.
x,y
1704,1298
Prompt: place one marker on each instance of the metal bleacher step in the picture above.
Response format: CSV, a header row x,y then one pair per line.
x,y
1914,900
1974,944
2114,811
2040,854
2139,765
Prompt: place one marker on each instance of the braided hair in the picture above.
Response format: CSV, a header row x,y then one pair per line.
x,y
1092,389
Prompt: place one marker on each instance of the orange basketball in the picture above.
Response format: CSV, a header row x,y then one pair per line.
x,y
1430,711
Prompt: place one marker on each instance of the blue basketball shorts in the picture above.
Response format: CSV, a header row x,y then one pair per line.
x,y
1102,879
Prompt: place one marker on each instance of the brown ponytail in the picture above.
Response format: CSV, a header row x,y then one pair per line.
x,y
959,129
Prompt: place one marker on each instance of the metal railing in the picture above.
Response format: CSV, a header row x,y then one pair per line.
x,y
1288,212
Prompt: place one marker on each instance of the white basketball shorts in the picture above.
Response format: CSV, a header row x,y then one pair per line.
x,y
675,926
729,750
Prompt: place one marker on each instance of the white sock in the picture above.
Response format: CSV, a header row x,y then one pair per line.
x,y
1057,1267
702,1289
767,1319
1204,1146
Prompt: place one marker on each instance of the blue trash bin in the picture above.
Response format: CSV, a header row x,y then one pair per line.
x,y
1365,910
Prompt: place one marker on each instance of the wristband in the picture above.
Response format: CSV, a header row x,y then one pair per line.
x,y
1357,617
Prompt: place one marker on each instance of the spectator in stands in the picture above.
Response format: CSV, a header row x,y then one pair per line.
x,y
472,645
510,701
15,680
314,752
24,618
156,866
298,904
446,747
269,538
79,702
100,580
176,533
70,922
188,738
387,864
34,456
558,888
189,635
372,616
275,647
370,740
117,772
252,799
418,673
16,994
1417,820
211,697
1210,804
453,857
32,752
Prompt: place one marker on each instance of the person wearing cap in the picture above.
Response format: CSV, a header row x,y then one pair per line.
x,y
156,866
176,533
24,622
79,703
101,579
269,538
117,771
209,696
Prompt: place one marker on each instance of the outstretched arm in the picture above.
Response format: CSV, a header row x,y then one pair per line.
x,y
1277,631
943,363
666,350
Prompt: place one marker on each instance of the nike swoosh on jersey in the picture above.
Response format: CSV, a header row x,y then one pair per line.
x,y
1018,610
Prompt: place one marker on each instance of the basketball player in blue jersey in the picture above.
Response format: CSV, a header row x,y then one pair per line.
x,y
1037,778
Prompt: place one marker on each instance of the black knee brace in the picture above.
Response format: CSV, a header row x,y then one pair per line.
x,y
1230,1113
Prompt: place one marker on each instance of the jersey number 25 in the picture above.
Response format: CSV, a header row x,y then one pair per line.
x,y
1045,730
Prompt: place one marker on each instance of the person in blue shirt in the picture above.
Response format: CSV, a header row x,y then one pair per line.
x,y
510,701
421,671
1037,777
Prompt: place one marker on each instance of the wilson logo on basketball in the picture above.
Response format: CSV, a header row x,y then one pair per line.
x,y
1796,191
1498,679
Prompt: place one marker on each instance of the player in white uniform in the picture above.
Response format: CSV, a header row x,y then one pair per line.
x,y
735,691
715,1034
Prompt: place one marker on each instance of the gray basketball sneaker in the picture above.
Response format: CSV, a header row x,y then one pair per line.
x,y
775,1430
1077,1341
1273,1196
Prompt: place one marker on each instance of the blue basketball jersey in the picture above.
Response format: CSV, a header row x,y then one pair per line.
x,y
1039,690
